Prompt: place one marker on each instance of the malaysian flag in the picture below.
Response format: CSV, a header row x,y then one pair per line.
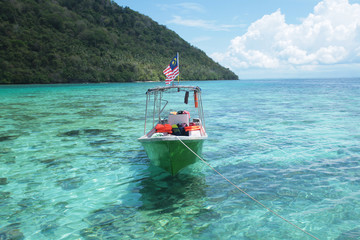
x,y
172,71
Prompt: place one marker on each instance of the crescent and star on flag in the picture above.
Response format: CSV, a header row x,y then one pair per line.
x,y
173,63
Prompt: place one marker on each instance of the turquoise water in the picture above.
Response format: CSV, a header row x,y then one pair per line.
x,y
71,167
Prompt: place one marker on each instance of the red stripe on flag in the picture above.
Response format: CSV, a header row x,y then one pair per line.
x,y
170,75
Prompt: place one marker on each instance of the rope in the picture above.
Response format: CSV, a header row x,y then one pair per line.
x,y
252,198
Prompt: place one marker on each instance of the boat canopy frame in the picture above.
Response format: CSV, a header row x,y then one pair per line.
x,y
157,94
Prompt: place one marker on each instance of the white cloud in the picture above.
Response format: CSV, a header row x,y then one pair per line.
x,y
200,39
184,7
329,35
191,6
199,23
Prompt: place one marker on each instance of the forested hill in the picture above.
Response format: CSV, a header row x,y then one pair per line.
x,y
65,41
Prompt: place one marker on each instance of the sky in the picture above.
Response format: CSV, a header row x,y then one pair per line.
x,y
267,39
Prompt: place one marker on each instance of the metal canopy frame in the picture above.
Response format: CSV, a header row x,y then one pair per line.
x,y
157,94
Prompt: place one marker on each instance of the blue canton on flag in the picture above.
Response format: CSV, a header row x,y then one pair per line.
x,y
172,71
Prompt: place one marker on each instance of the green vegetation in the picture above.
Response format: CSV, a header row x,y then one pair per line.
x,y
66,41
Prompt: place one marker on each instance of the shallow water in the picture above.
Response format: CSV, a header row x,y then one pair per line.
x,y
71,167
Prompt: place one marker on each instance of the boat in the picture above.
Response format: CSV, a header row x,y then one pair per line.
x,y
170,124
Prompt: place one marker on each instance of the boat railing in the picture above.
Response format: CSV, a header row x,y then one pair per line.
x,y
155,103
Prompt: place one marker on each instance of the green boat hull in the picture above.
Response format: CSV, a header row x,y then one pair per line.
x,y
172,156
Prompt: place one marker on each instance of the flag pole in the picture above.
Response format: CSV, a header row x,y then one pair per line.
x,y
177,55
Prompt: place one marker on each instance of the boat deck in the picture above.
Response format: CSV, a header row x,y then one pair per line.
x,y
170,137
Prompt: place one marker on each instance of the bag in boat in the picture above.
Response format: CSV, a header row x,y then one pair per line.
x,y
182,127
175,129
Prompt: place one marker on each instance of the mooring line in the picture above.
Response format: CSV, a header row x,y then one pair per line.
x,y
252,198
